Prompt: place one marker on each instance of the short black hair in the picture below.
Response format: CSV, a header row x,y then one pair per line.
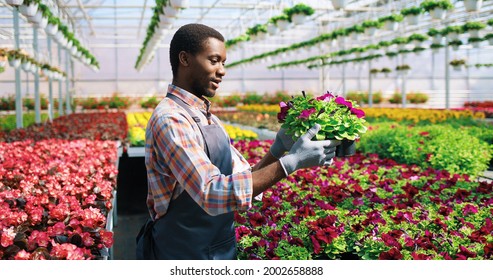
x,y
190,38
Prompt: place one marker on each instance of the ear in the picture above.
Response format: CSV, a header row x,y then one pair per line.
x,y
183,58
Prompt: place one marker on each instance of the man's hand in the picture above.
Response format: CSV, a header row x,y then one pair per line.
x,y
282,144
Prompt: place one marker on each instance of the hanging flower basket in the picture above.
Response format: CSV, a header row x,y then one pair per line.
x,y
473,5
272,29
29,10
51,29
298,18
183,4
14,2
452,36
36,18
437,39
282,24
339,4
438,13
391,25
412,19
170,11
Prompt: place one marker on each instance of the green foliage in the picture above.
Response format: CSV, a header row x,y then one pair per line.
x,y
473,25
299,9
391,18
150,103
437,146
252,97
429,5
411,11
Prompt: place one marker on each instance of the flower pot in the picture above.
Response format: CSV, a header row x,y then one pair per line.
x,y
437,39
16,63
170,11
475,44
438,13
42,23
346,148
339,4
474,33
26,66
51,29
179,3
417,43
298,18
391,25
473,5
355,36
3,63
452,36
28,10
370,31
272,29
282,24
412,19
456,67
36,18
490,41
164,19
14,2
455,47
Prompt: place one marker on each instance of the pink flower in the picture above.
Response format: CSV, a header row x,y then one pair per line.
x,y
326,97
305,114
359,113
8,236
281,116
341,101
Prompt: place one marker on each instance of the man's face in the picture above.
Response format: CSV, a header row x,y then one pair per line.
x,y
207,68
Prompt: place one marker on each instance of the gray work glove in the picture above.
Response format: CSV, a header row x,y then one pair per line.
x,y
307,153
282,144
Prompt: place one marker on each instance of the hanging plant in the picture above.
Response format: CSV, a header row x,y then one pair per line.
x,y
417,39
472,5
354,31
339,4
455,44
438,8
391,22
282,21
385,45
374,71
404,68
386,71
412,14
435,34
452,32
435,47
257,30
489,37
473,27
298,13
371,26
457,63
475,41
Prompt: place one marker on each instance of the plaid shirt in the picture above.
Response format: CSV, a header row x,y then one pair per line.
x,y
176,162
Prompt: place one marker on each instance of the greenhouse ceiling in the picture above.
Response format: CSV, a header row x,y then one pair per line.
x,y
124,23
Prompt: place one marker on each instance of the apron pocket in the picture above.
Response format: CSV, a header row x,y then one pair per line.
x,y
223,250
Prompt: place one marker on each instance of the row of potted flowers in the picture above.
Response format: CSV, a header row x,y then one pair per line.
x,y
364,207
55,196
92,126
20,59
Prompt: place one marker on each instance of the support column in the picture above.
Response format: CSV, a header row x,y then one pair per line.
x,y
18,94
60,96
344,89
37,101
68,108
447,76
50,81
370,86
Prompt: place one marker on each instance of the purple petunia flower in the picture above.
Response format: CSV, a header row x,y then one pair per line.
x,y
341,101
305,114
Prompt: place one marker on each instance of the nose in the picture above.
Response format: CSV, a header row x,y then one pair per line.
x,y
222,70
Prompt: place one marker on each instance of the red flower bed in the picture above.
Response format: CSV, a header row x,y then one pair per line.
x,y
92,126
54,198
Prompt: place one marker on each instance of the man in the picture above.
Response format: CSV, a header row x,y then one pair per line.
x,y
196,178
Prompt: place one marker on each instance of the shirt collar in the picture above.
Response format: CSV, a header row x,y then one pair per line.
x,y
189,98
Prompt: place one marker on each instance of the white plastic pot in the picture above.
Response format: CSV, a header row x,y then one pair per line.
x,y
437,39
36,18
51,29
370,31
339,4
298,18
170,11
29,10
26,66
3,63
474,33
180,3
490,41
272,29
473,5
14,2
452,36
164,19
16,63
42,24
412,19
282,24
438,13
391,25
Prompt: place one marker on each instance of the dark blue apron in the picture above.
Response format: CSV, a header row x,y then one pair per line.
x,y
186,231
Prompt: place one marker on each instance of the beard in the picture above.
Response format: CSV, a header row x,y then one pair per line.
x,y
200,89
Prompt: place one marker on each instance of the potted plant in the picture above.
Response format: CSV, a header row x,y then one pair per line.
x,y
339,119
29,7
371,26
473,27
14,2
391,22
299,12
339,4
385,45
14,58
386,71
457,63
435,47
354,31
282,21
403,69
401,42
271,27
417,39
412,14
436,35
489,37
475,41
455,44
179,4
437,8
452,32
472,5
257,32
374,71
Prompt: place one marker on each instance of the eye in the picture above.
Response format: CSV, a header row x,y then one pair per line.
x,y
214,61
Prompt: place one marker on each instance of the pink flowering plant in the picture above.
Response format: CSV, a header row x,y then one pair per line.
x,y
338,117
365,207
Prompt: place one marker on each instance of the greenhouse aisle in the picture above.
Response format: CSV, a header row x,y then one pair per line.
x,y
125,232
